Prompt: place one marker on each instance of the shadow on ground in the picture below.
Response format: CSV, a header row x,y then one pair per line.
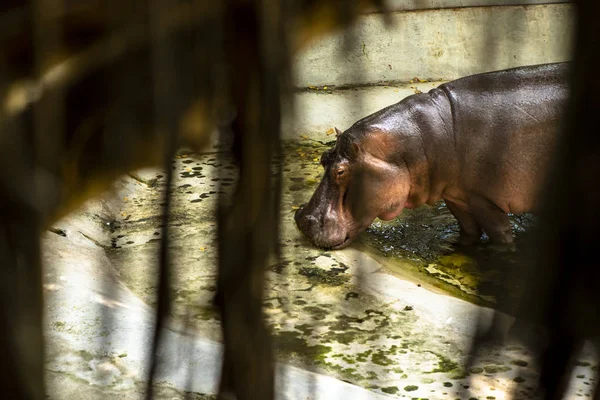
x,y
393,313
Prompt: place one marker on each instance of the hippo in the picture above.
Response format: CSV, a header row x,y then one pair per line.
x,y
481,143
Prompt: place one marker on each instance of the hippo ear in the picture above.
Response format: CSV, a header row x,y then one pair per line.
x,y
355,150
337,132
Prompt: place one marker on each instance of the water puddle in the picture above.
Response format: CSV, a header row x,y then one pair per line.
x,y
419,246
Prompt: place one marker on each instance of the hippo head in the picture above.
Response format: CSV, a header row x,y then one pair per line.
x,y
360,183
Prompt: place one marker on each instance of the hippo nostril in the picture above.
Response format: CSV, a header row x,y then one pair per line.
x,y
305,221
347,238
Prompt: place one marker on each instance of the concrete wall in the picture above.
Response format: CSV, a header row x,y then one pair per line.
x,y
440,44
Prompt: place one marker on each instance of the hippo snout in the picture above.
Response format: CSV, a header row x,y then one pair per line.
x,y
321,230
307,223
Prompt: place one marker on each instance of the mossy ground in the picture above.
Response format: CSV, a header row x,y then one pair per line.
x,y
320,317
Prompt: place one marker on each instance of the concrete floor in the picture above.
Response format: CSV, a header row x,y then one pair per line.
x,y
348,324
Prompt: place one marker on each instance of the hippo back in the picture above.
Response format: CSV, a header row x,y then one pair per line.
x,y
505,126
536,88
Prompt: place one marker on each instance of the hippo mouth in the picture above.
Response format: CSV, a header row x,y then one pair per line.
x,y
343,244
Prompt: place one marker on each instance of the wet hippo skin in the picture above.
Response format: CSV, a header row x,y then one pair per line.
x,y
481,143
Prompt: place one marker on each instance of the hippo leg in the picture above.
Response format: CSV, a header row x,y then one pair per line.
x,y
470,231
494,222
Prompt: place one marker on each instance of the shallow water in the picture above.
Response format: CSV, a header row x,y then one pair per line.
x,y
420,245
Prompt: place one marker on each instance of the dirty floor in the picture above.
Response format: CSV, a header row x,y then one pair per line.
x,y
393,313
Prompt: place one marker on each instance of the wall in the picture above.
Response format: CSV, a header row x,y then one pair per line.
x,y
438,44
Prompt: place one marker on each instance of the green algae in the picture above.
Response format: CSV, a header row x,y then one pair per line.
x,y
319,276
380,358
347,336
316,313
348,360
306,329
411,388
444,364
390,390
372,375
346,329
290,344
493,369
362,357
348,374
